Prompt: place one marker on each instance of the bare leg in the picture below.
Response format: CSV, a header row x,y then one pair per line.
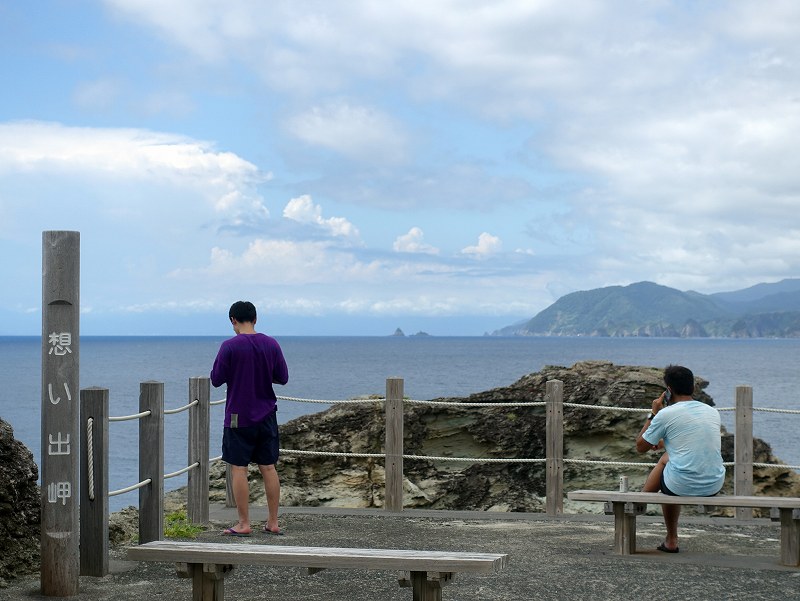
x,y
241,494
671,512
671,515
653,482
272,488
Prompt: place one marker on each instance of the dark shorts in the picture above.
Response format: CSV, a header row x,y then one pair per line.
x,y
664,488
667,491
252,444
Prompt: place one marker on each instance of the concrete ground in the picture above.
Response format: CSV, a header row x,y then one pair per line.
x,y
549,559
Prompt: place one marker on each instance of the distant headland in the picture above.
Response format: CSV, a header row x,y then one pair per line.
x,y
646,309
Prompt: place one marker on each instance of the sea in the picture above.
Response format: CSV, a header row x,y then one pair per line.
x,y
336,368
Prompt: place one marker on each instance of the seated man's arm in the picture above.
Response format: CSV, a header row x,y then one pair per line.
x,y
642,444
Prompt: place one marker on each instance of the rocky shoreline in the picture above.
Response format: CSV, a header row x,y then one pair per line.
x,y
493,432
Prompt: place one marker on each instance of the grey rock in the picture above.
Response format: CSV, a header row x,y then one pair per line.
x,y
19,507
488,432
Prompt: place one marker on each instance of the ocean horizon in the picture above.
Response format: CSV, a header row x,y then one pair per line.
x,y
340,367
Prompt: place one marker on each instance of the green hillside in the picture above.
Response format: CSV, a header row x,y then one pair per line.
x,y
649,309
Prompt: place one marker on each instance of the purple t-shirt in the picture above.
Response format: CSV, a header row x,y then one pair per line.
x,y
249,364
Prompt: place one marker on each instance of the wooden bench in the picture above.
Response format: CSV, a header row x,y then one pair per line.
x,y
625,506
207,564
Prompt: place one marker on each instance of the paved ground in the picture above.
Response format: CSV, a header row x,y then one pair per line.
x,y
550,559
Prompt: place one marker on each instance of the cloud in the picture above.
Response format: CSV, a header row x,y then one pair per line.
x,y
357,132
227,182
303,210
326,279
289,262
487,245
412,243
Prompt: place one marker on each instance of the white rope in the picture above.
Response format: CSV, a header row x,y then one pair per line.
x,y
179,409
182,471
332,454
473,459
455,404
502,404
422,457
607,407
331,402
781,465
219,402
618,463
129,417
766,410
497,460
122,491
90,454
626,463
215,459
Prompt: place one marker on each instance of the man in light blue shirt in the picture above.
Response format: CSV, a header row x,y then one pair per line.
x,y
690,432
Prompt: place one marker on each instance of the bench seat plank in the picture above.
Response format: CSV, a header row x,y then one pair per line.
x,y
208,563
318,557
660,498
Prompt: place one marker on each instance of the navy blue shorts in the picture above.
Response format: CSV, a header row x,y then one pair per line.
x,y
664,488
252,444
667,491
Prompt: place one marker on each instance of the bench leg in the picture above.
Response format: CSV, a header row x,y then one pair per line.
x,y
624,531
790,537
427,586
208,580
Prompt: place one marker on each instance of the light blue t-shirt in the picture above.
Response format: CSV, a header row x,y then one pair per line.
x,y
691,434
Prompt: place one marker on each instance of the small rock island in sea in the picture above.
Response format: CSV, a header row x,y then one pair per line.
x,y
399,333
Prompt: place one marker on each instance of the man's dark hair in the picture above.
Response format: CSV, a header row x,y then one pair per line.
x,y
680,379
243,312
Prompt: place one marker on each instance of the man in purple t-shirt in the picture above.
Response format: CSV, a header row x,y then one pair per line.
x,y
250,363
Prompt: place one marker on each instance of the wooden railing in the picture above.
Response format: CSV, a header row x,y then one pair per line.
x,y
94,456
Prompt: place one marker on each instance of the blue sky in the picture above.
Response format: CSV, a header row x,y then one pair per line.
x,y
352,167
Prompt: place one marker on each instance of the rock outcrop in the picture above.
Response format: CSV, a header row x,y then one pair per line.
x,y
488,432
19,507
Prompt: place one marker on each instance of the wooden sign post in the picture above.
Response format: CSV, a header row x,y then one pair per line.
x,y
60,413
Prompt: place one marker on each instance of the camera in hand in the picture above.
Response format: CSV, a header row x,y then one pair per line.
x,y
667,397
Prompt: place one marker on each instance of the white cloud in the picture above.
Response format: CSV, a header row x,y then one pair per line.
x,y
357,132
226,181
487,245
303,210
505,51
287,262
412,243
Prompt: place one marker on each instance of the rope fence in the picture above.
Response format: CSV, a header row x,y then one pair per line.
x,y
454,404
94,410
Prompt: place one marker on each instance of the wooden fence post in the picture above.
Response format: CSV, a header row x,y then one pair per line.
x,y
94,482
199,417
743,448
393,500
554,397
60,414
151,462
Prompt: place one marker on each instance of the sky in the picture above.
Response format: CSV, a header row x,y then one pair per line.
x,y
356,166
